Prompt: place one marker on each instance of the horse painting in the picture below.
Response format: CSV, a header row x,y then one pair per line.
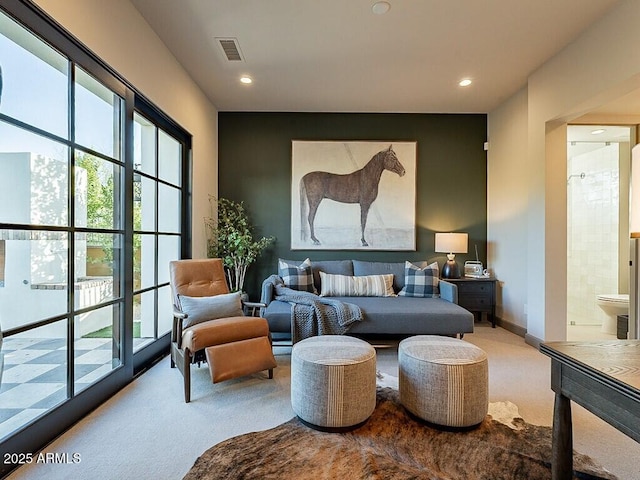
x,y
360,187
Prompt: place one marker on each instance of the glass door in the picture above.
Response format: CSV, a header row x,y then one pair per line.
x,y
94,203
158,205
61,228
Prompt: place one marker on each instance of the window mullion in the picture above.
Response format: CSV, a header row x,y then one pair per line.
x,y
71,222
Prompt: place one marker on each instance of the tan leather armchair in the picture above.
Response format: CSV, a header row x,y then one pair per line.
x,y
209,325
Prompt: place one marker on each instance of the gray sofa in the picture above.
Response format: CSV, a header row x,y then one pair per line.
x,y
382,316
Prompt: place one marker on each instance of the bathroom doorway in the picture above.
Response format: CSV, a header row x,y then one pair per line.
x,y
598,167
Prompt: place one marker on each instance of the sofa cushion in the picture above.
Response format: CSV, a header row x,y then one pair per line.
x,y
336,267
351,286
296,275
409,316
420,282
202,309
389,316
377,268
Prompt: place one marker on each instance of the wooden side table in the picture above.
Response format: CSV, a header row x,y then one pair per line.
x,y
477,295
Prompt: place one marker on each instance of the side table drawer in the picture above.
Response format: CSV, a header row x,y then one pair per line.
x,y
476,303
478,288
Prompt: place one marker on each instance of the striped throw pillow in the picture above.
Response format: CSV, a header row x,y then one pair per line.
x,y
420,282
349,286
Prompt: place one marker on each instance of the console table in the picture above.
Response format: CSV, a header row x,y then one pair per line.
x,y
603,377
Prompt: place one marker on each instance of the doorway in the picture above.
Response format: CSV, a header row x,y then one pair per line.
x,y
598,166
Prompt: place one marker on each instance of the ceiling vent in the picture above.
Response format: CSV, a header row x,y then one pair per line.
x,y
231,49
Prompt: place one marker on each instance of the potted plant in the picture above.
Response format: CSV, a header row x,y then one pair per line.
x,y
230,237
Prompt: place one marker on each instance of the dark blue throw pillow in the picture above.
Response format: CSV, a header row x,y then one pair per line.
x,y
420,282
297,276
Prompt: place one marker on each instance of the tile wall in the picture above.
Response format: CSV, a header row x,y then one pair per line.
x,y
592,231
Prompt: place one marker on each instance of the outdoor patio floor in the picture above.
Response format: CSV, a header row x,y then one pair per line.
x,y
35,375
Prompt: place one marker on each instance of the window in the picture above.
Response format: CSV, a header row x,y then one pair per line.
x,y
89,220
157,223
62,297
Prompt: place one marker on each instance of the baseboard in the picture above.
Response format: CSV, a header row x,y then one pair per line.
x,y
512,327
533,341
521,332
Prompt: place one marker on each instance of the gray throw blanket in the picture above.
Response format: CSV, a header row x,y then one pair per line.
x,y
313,315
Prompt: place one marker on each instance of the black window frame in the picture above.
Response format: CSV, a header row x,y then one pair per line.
x,y
44,429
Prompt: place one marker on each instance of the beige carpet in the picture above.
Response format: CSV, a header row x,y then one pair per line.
x,y
147,431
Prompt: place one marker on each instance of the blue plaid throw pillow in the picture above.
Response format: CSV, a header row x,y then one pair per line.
x,y
296,276
420,282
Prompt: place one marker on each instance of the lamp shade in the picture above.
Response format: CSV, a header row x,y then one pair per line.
x,y
634,204
452,242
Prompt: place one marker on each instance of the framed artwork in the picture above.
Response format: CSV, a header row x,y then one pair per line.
x,y
353,195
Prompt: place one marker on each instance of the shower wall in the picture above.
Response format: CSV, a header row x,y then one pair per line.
x,y
593,219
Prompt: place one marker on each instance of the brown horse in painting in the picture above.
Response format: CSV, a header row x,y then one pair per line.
x,y
360,187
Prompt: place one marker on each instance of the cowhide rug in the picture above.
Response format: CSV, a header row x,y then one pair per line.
x,y
391,445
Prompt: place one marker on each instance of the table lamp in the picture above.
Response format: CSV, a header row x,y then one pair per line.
x,y
451,243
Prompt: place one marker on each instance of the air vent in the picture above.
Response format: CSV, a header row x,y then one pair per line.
x,y
231,49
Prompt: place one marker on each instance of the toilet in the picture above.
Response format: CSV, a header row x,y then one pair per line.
x,y
613,304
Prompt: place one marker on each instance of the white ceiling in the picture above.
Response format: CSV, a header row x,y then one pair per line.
x,y
599,133
338,56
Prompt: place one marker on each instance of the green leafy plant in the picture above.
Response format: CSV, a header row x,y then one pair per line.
x,y
230,237
101,193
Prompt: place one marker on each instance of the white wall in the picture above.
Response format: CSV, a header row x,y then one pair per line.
x,y
36,268
118,34
507,206
600,65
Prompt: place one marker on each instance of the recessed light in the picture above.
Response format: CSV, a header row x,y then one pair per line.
x,y
246,79
598,131
465,82
380,8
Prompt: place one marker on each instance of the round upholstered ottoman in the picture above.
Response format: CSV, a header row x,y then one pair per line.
x,y
333,381
443,380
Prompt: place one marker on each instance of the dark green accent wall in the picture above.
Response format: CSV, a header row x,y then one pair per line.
x,y
451,192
